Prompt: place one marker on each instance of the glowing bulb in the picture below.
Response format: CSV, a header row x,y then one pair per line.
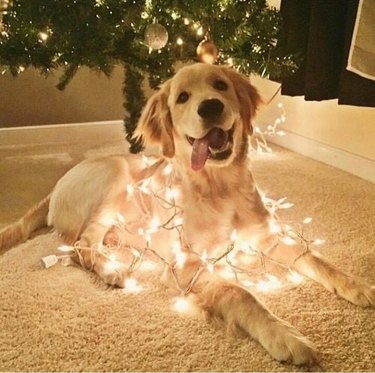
x,y
180,259
181,305
286,205
130,189
200,31
247,283
65,248
307,220
107,219
288,241
178,221
233,236
295,277
274,281
210,268
171,194
168,169
112,257
111,266
274,227
148,265
186,21
263,285
204,256
179,41
154,224
318,242
43,36
132,286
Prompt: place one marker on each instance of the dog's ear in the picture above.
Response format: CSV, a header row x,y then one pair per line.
x,y
155,123
247,95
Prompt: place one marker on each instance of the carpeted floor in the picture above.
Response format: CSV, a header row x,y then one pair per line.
x,y
65,319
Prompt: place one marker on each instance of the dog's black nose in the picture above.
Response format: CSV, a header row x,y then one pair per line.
x,y
210,109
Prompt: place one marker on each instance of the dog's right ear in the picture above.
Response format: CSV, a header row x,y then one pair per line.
x,y
155,124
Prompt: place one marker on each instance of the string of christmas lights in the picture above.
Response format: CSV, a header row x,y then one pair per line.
x,y
239,261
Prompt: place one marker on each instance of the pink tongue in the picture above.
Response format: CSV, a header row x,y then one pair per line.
x,y
199,154
215,138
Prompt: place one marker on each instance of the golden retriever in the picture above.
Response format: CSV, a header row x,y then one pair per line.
x,y
201,118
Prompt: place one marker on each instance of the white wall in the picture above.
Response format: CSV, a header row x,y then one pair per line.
x,y
348,128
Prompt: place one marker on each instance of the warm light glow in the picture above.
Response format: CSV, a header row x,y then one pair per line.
x,y
295,277
274,227
318,242
171,194
43,36
154,224
178,221
200,31
120,218
233,236
168,169
273,283
65,248
288,241
144,186
148,265
307,220
132,286
111,266
179,41
107,219
181,305
210,268
130,189
286,205
247,283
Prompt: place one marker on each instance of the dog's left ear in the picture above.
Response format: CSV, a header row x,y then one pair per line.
x,y
247,95
155,123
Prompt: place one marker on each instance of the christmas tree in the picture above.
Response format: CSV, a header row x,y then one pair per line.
x,y
147,37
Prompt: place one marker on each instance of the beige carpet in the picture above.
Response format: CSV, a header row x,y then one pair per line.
x,y
65,319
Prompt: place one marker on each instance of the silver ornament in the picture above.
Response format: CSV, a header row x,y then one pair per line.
x,y
156,36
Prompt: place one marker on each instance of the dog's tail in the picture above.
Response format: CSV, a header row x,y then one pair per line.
x,y
21,230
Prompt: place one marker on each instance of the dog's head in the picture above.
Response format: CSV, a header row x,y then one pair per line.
x,y
204,112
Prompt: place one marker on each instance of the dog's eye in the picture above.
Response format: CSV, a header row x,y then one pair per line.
x,y
182,97
220,85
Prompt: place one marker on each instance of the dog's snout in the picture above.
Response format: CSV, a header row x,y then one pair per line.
x,y
210,109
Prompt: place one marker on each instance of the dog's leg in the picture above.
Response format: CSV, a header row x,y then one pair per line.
x,y
241,310
89,253
314,266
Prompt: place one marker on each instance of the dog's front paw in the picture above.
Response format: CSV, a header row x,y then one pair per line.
x,y
357,292
287,344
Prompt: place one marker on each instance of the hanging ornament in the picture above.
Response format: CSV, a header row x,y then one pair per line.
x,y
4,5
156,36
207,51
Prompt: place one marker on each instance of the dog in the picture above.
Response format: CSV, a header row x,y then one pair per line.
x,y
201,121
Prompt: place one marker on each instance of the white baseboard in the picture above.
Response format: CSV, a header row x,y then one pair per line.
x,y
93,132
352,163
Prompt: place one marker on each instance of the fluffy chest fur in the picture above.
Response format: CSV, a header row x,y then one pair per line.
x,y
217,202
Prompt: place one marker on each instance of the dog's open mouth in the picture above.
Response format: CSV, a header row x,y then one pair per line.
x,y
216,145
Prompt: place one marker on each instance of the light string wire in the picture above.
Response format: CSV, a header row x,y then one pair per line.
x,y
165,196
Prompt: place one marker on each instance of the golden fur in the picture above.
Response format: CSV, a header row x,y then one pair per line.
x,y
217,197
